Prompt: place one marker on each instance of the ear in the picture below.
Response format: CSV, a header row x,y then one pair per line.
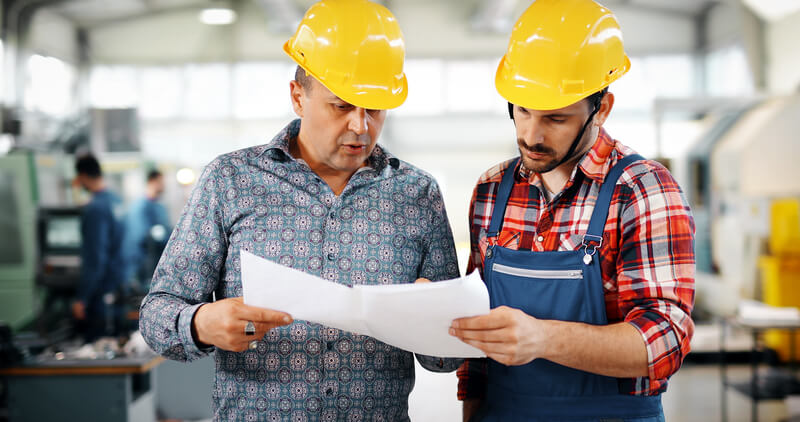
x,y
297,95
606,104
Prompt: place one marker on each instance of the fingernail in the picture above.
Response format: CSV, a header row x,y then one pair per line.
x,y
452,332
286,319
454,324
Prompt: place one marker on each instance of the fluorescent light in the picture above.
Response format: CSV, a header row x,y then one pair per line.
x,y
217,16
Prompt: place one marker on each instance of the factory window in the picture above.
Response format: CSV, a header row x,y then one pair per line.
x,y
113,87
261,90
161,92
49,87
425,92
2,66
728,73
651,77
207,94
469,87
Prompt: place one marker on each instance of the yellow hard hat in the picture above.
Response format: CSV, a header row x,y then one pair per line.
x,y
560,52
356,49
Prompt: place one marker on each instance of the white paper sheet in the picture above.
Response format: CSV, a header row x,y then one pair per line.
x,y
413,317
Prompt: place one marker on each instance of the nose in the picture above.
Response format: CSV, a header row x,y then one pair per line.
x,y
530,131
358,121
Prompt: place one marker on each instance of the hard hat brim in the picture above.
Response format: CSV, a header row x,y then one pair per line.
x,y
365,96
540,96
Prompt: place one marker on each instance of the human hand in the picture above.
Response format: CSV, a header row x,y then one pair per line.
x,y
222,323
422,280
505,334
78,310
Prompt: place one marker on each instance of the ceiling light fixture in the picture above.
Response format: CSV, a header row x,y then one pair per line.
x,y
217,15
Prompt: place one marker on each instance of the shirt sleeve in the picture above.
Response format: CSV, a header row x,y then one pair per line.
x,y
95,230
187,273
438,263
655,269
472,374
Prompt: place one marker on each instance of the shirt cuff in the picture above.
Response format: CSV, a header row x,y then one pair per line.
x,y
185,334
436,364
661,343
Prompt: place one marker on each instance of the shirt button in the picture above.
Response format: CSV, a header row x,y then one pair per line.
x,y
540,238
331,257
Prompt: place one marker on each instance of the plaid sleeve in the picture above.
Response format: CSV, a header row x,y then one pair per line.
x,y
472,373
656,268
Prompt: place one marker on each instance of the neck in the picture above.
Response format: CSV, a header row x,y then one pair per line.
x,y
555,180
335,179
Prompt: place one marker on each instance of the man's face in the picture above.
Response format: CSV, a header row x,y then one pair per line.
x,y
81,180
336,136
544,137
157,186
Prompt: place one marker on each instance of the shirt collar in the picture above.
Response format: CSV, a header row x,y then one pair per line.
x,y
278,148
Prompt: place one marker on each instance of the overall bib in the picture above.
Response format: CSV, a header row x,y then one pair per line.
x,y
558,285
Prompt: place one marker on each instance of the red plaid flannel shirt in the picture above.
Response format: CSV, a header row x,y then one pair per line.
x,y
647,252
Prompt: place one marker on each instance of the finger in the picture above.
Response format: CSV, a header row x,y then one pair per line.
x,y
488,336
422,280
482,322
256,314
491,349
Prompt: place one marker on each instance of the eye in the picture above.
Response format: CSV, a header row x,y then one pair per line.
x,y
342,106
557,119
522,110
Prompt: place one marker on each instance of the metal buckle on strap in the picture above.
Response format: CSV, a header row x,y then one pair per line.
x,y
590,243
589,239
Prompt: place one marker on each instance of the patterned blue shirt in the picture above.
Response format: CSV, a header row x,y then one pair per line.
x,y
388,226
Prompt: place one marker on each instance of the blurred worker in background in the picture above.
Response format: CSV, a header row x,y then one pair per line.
x,y
101,253
146,232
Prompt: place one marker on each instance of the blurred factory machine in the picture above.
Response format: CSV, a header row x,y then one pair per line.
x,y
42,357
740,179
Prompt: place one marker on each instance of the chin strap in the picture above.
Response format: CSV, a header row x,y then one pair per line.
x,y
577,139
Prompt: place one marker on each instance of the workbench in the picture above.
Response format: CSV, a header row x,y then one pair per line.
x,y
107,390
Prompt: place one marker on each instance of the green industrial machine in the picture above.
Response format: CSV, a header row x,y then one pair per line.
x,y
17,238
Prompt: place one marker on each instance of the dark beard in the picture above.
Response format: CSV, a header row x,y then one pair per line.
x,y
538,166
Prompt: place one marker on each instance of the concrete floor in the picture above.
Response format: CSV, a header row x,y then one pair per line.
x,y
694,394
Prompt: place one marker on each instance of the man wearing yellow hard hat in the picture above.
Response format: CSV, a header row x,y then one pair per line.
x,y
586,247
321,197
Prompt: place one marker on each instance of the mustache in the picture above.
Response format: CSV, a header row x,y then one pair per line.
x,y
536,148
351,138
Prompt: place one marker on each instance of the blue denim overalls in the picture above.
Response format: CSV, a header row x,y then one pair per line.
x,y
559,285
